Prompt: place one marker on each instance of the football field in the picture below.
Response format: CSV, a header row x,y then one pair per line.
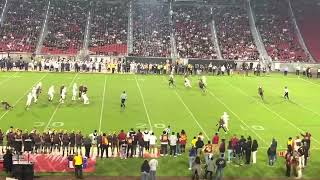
x,y
153,105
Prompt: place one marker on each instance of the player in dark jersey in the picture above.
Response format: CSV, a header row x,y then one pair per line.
x,y
6,105
202,86
260,92
171,81
65,143
221,125
80,91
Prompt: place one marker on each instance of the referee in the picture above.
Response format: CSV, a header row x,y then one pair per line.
x,y
286,93
123,99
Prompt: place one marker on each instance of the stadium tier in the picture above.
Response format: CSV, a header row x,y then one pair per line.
x,y
206,30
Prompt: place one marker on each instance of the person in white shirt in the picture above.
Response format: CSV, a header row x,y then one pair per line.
x,y
34,94
225,118
51,93
286,93
63,94
168,130
187,83
85,98
173,143
223,69
74,92
153,145
153,163
146,139
29,100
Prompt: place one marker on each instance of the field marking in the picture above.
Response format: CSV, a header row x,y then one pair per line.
x,y
23,95
8,78
270,110
192,115
308,81
55,111
144,104
229,109
102,103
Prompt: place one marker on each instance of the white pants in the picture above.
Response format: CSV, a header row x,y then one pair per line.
x,y
187,84
254,157
28,102
50,96
85,99
34,96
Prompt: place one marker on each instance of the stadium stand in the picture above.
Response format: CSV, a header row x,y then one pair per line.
x,y
150,38
109,28
193,33
22,26
307,13
235,38
66,26
277,30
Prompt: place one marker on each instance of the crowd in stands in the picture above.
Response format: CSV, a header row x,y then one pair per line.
x,y
66,27
151,30
193,32
22,25
277,30
234,34
108,28
307,13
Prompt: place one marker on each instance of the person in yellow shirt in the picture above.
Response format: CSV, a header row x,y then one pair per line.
x,y
193,142
77,159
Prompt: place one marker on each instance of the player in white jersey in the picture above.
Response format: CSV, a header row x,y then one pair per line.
x,y
74,92
85,98
34,94
204,80
187,83
123,99
225,118
51,93
63,94
29,100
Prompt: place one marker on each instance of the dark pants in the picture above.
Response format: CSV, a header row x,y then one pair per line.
x,y
288,172
164,149
286,95
87,150
78,171
222,128
104,148
173,150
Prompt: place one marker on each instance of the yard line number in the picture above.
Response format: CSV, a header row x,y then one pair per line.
x,y
53,124
143,126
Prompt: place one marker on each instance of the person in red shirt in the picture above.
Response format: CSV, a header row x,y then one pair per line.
x,y
215,139
122,137
234,141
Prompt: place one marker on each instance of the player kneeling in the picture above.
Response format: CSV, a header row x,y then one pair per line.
x,y
187,83
85,98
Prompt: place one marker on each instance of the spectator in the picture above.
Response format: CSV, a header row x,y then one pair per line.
x,y
248,146
210,168
164,139
254,150
208,151
78,165
183,141
145,170
173,143
192,156
196,168
271,155
215,139
87,142
193,141
104,145
221,164
178,150
199,145
230,151
153,146
7,162
222,148
288,158
153,163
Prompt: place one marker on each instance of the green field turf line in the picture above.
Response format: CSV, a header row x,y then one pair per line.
x,y
144,104
229,109
23,95
8,78
308,81
55,111
102,103
192,115
270,110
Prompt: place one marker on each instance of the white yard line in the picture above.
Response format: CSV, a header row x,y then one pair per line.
x,y
270,110
24,95
144,104
8,78
302,79
193,117
236,115
102,103
55,111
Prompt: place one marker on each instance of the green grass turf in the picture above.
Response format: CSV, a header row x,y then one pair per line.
x,y
152,104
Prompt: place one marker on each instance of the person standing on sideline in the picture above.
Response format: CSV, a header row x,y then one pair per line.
x,y
210,168
153,163
145,170
164,144
288,158
254,150
192,156
87,142
220,164
78,165
153,145
248,146
173,143
196,168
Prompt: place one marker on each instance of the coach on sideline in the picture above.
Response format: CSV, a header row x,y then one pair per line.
x,y
77,159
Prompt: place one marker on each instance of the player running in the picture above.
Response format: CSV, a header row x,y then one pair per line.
x,y
171,81
34,94
29,101
51,93
260,92
221,125
225,118
74,92
204,80
38,89
286,93
202,86
63,93
187,83
6,105
123,98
